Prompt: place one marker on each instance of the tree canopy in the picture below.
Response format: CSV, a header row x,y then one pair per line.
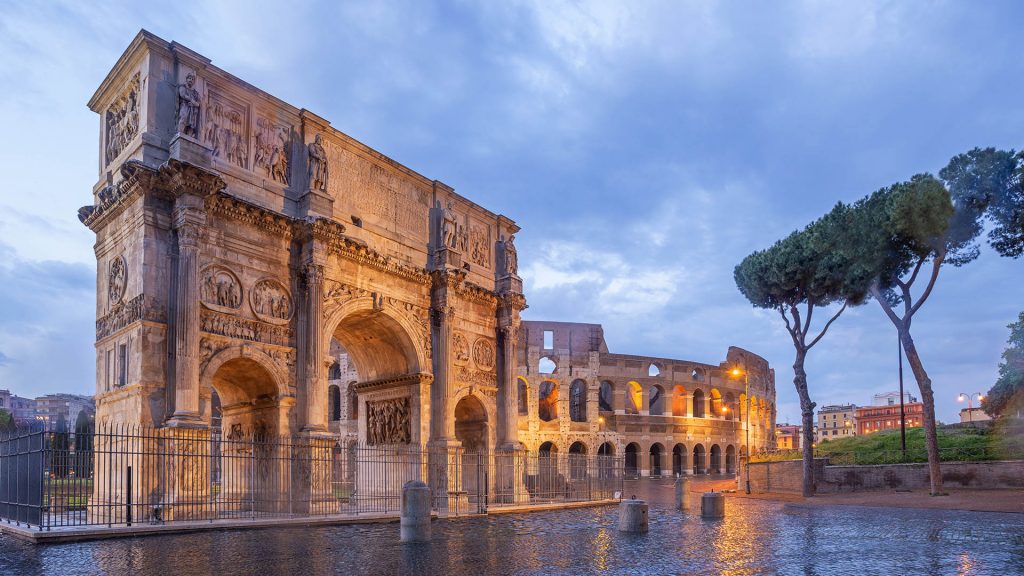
x,y
990,183
802,271
1007,395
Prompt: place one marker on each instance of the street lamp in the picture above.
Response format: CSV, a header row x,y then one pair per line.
x,y
736,372
970,405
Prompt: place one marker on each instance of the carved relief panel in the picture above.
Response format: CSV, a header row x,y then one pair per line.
x,y
226,129
270,301
122,120
480,244
388,422
220,289
273,150
460,348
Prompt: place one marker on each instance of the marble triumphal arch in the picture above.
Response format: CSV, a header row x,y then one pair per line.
x,y
243,244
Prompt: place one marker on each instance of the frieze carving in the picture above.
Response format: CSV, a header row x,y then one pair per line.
x,y
244,329
124,314
117,280
123,120
226,206
460,348
476,377
273,148
317,168
270,301
226,129
483,354
388,422
220,289
188,107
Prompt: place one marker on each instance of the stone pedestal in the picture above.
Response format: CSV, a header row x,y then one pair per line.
x,y
187,493
633,516
682,491
712,505
311,475
415,515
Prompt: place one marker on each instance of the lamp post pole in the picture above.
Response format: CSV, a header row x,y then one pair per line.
x,y
746,390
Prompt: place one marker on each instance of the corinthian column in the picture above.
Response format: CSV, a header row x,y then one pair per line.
x,y
315,375
442,322
187,225
508,429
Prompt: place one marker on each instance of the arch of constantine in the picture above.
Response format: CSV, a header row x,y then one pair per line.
x,y
264,274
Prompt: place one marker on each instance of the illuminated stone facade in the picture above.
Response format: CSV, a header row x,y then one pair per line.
x,y
665,416
243,245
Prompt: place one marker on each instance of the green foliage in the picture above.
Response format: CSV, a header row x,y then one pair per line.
x,y
804,267
892,232
955,444
6,421
1007,395
990,183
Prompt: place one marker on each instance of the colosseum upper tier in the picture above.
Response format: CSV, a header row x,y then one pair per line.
x,y
665,416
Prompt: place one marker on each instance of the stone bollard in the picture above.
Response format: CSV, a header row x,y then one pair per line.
x,y
415,522
712,505
682,488
633,516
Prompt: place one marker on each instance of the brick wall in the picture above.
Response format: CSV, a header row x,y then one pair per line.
x,y
785,477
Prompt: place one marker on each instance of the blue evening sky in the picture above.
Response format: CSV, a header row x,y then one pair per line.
x,y
644,147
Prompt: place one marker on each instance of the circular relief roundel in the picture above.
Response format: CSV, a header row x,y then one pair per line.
x,y
270,301
483,354
117,279
220,289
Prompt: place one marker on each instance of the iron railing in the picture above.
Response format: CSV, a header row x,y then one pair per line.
x,y
123,476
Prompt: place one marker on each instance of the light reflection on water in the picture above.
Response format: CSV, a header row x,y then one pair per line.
x,y
756,537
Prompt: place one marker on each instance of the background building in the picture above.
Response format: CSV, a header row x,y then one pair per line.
x,y
53,408
887,416
837,421
787,436
892,399
23,409
975,414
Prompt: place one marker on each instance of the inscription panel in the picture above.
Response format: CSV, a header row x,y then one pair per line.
x,y
377,194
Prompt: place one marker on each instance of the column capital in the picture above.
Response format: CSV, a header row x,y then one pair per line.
x,y
313,274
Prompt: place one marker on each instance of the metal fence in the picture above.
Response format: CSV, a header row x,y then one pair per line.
x,y
120,476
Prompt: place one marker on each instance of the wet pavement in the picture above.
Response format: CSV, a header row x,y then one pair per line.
x,y
756,537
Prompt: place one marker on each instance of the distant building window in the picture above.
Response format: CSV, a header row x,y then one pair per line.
x,y
549,340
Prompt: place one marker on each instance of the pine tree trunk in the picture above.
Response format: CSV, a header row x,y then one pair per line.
x,y
928,399
807,414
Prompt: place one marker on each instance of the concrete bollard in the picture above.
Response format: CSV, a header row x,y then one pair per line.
x,y
712,505
415,520
633,516
682,489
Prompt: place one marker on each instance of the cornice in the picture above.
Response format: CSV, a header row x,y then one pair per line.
x,y
227,206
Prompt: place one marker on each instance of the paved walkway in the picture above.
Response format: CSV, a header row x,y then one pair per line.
x,y
975,500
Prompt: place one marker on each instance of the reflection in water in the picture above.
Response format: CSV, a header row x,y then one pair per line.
x,y
756,537
602,546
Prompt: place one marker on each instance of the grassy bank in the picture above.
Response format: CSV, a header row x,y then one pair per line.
x,y
955,445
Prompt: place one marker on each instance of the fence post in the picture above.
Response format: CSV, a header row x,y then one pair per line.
x,y
128,507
